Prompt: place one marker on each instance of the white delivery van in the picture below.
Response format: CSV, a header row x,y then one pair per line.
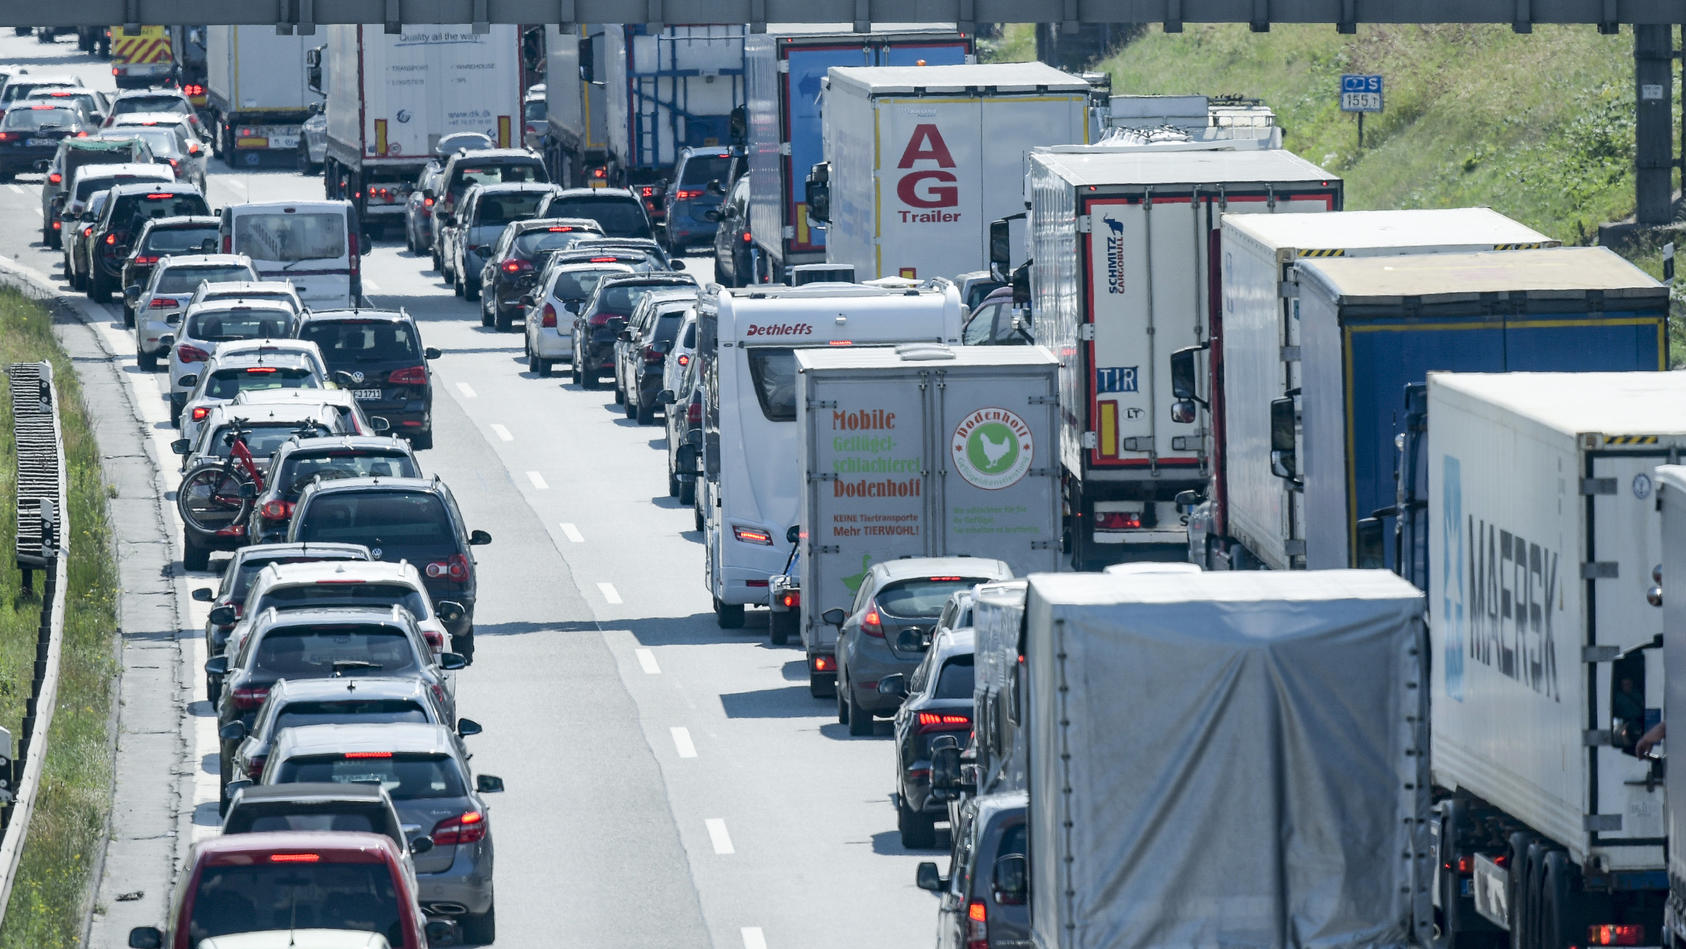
x,y
748,340
314,244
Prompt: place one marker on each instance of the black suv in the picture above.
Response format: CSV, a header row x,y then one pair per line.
x,y
385,365
617,210
643,346
127,210
601,319
161,237
479,166
513,265
414,519
299,461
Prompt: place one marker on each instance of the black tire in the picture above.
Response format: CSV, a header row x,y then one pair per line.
x,y
688,494
501,320
919,831
481,930
728,615
589,379
574,372
226,775
620,396
438,266
860,720
422,441
148,362
471,291
542,367
1560,922
213,689
209,500
463,645
646,413
456,287
485,318
821,687
99,290
696,514
780,626
128,316
672,484
842,705
193,556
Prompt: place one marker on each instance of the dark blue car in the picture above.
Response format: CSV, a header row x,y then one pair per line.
x,y
689,199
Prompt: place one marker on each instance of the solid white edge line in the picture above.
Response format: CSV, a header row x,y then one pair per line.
x,y
647,660
466,390
537,480
15,189
753,938
682,742
610,594
572,533
501,432
717,833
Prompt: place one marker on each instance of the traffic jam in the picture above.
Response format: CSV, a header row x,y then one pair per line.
x,y
1081,445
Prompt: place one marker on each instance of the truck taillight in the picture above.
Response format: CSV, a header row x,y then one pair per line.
x,y
1117,521
872,624
1615,934
548,318
791,600
977,925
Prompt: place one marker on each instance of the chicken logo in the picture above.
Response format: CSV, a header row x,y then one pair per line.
x,y
992,448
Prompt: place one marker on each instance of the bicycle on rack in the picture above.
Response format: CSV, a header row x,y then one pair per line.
x,y
216,496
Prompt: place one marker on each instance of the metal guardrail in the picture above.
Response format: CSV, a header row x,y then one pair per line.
x,y
41,484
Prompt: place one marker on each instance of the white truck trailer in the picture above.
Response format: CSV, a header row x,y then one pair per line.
x,y
392,97
1543,538
257,96
1227,759
921,450
920,159
1125,247
1671,501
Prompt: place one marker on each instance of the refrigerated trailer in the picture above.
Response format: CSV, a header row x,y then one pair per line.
x,y
257,96
1124,245
1671,502
1543,539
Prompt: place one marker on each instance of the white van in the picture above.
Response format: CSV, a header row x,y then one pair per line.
x,y
747,339
314,244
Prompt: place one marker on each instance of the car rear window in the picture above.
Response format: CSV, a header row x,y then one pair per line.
x,y
493,173
395,516
533,110
129,104
164,142
497,210
579,284
262,439
690,340
363,340
220,326
344,594
298,236
406,776
252,566
277,295
351,711
702,169
228,383
35,117
301,466
293,815
175,240
307,891
772,370
955,680
185,279
667,326
922,597
313,651
166,204
618,216
88,184
533,243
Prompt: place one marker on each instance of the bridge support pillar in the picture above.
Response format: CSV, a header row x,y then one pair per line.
x,y
1653,60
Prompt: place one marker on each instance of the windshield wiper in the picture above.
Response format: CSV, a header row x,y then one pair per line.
x,y
342,666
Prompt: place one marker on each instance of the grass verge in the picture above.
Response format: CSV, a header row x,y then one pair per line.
x,y
49,898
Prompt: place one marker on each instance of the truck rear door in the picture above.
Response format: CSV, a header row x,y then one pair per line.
x,y
993,450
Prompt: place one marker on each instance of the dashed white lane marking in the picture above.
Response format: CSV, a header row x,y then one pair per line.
x,y
501,432
610,594
647,660
682,742
753,939
537,480
572,533
717,834
466,390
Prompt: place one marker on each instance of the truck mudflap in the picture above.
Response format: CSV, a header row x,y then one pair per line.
x,y
1490,882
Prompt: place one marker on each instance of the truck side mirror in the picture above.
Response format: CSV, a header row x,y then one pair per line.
x,y
818,193
1371,550
1283,464
313,69
1184,383
587,72
1183,411
927,877
1000,247
1009,880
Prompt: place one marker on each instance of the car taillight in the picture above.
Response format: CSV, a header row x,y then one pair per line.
x,y
435,640
276,510
175,163
187,353
199,413
693,413
465,828
55,178
749,535
454,568
746,237
684,194
110,239
427,202
791,600
86,231
7,136
412,376
653,355
58,225
139,260
254,766
547,318
872,624
977,925
228,243
943,721
250,697
684,359
1615,934
291,857
602,319
516,266
164,303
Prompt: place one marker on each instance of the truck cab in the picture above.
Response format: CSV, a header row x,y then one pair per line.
x,y
984,900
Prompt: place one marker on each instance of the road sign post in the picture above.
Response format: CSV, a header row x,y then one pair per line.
x,y
1361,93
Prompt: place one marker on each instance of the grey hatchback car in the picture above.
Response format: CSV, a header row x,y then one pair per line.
x,y
424,769
887,630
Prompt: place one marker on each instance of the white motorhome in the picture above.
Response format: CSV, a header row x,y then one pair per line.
x,y
314,244
748,340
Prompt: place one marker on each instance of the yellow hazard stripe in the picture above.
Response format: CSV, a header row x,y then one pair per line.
x,y
1530,246
1630,439
1326,252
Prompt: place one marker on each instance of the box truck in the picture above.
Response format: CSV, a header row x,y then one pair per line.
x,y
392,97
920,159
256,94
1670,594
785,67
1123,242
1370,326
1250,516
1543,540
921,450
1226,759
752,480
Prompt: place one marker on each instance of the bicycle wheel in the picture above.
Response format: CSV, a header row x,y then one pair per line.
x,y
209,499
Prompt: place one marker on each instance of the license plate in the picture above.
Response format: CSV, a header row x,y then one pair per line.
x,y
283,141
1466,887
41,141
367,393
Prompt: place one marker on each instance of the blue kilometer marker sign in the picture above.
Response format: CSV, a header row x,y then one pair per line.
x,y
1361,93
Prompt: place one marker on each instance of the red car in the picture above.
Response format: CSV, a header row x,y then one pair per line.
x,y
294,880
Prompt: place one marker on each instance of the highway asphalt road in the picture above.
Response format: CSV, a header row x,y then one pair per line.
x,y
669,783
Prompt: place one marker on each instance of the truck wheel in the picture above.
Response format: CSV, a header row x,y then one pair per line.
x,y
728,615
1560,923
919,831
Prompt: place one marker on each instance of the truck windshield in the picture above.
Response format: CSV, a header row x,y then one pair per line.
x,y
773,371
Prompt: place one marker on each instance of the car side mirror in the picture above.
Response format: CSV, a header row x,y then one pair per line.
x,y
1283,464
216,666
225,615
467,727
233,731
379,423
793,533
421,845
624,336
190,380
146,937
661,347
442,932
479,538
927,877
342,379
449,610
715,186
945,765
527,299
180,446
712,214
488,784
893,685
204,594
667,397
451,662
1009,880
834,617
431,353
